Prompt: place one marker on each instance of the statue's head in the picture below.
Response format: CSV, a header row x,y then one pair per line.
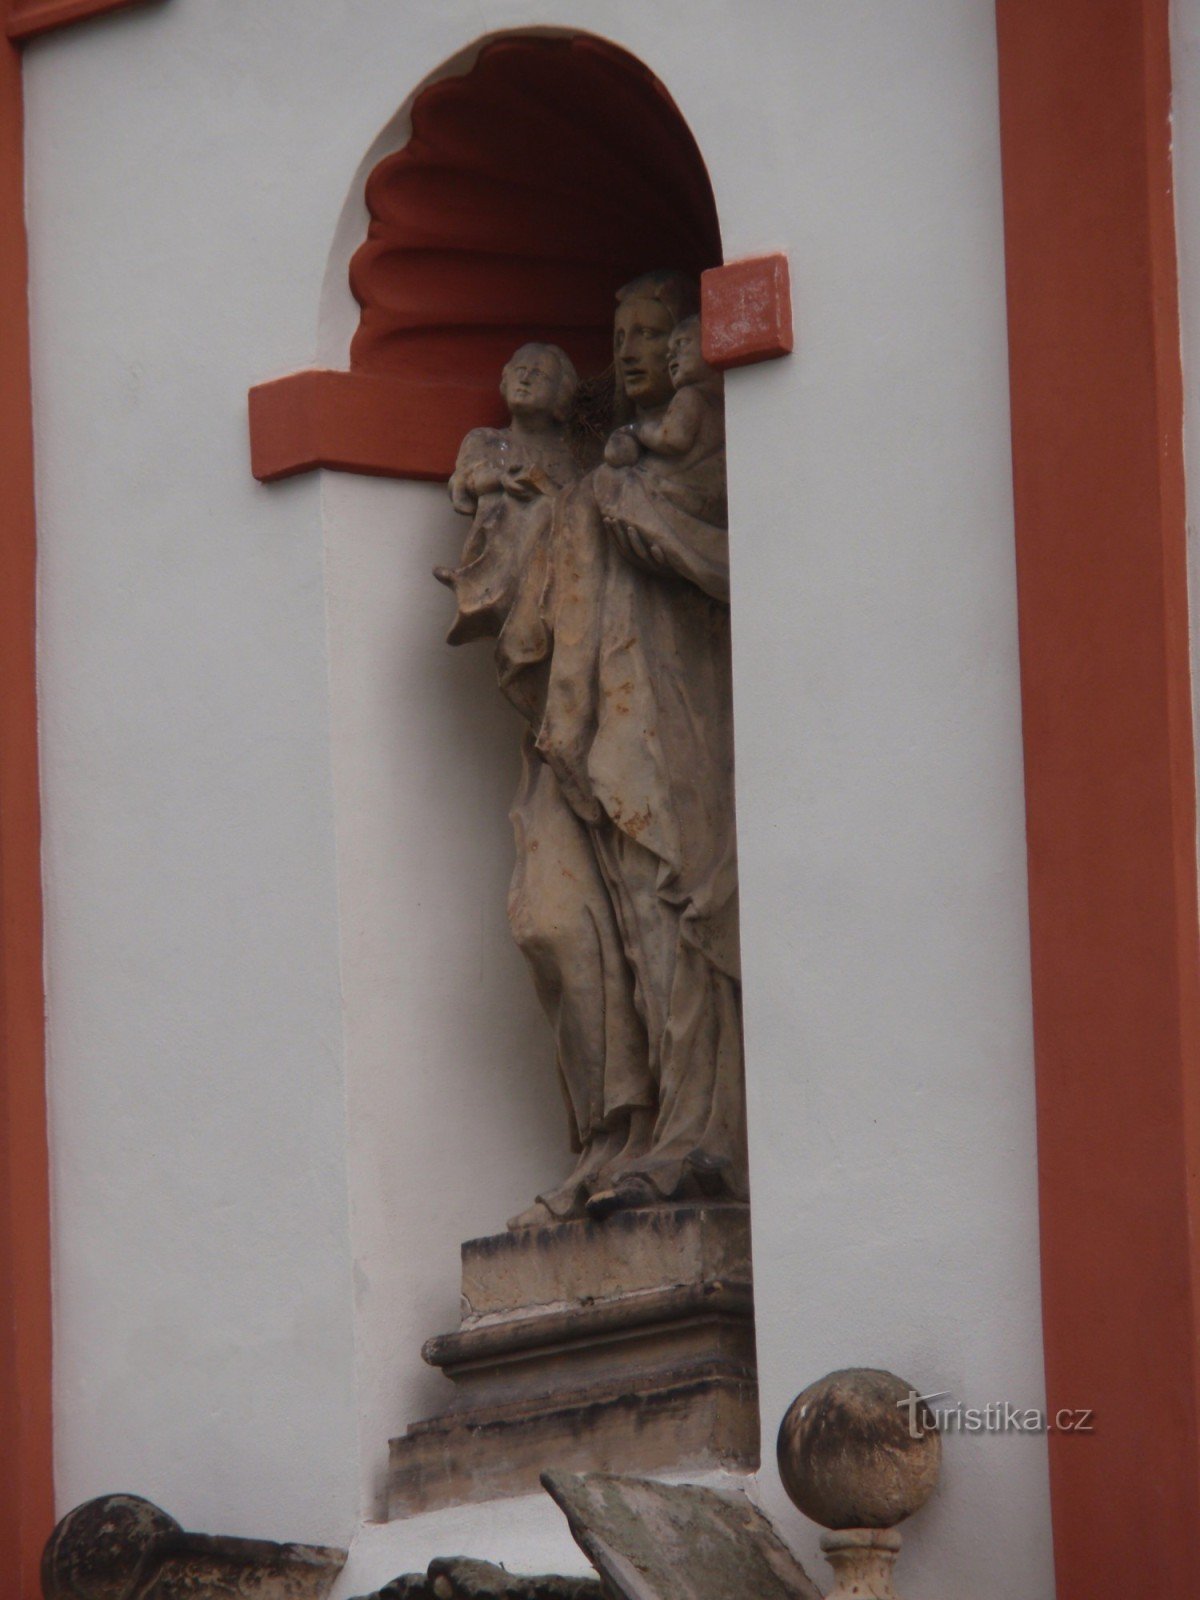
x,y
685,358
539,381
647,310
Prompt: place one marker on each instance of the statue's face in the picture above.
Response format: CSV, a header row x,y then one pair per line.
x,y
684,360
530,386
640,334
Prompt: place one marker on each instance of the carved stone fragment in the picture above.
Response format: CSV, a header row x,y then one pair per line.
x,y
659,1541
647,1540
457,1578
120,1547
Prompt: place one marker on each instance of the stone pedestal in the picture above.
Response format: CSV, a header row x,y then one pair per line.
x,y
625,1344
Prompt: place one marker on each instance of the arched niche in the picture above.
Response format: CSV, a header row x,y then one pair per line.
x,y
472,244
532,186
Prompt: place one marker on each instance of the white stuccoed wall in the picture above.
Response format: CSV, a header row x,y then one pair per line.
x,y
294,1059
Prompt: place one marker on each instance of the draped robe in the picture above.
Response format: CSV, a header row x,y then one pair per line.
x,y
624,897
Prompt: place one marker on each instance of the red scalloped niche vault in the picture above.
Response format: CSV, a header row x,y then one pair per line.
x,y
532,188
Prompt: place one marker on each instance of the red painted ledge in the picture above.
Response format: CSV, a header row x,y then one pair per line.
x,y
29,17
358,422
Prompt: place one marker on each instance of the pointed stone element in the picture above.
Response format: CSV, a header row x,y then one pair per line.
x,y
660,1541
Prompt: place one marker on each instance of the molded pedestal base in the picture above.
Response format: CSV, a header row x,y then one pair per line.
x,y
626,1344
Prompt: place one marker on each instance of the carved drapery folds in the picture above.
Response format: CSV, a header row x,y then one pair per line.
x,y
605,583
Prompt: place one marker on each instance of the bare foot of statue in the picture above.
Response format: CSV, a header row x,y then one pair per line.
x,y
631,1192
538,1215
569,1200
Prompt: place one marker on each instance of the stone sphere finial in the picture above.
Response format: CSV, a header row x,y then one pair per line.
x,y
96,1551
859,1449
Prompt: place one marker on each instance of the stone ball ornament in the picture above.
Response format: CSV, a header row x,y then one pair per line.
x,y
859,1449
121,1547
97,1550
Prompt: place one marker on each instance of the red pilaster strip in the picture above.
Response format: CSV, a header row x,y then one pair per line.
x,y
1110,790
26,1481
27,17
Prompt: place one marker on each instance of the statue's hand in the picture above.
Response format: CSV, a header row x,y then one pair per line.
x,y
461,496
524,482
634,545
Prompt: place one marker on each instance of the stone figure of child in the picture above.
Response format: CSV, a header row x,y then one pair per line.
x,y
505,480
693,426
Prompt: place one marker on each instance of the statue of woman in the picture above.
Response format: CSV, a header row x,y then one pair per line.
x,y
613,640
638,729
559,908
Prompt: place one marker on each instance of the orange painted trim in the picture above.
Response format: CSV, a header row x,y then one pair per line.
x,y
746,311
29,17
1097,431
26,1459
355,422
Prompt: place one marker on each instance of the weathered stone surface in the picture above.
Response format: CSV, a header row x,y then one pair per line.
x,y
857,1450
567,1367
606,587
862,1560
647,1297
690,1425
588,1262
120,1547
657,1541
97,1550
457,1578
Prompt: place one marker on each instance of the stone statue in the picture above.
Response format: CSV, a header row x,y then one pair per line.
x,y
607,592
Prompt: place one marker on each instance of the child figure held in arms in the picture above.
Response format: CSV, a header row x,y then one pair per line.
x,y
693,425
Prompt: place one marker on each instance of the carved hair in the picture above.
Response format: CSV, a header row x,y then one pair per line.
x,y
687,325
568,378
675,290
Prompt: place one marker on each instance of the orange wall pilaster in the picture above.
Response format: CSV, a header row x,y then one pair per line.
x,y
1097,424
26,1480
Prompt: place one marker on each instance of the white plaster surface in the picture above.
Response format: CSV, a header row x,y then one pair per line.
x,y
293,1057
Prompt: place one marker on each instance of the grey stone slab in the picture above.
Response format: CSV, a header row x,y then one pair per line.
x,y
658,1541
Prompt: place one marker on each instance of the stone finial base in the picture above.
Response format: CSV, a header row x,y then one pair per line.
x,y
590,1346
862,1560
